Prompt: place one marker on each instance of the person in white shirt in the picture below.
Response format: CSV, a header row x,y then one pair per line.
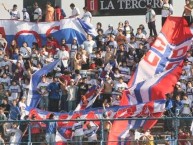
x,y
14,13
77,132
22,106
167,10
15,91
26,17
140,37
90,133
120,86
37,15
64,56
25,51
89,44
15,134
150,20
42,90
75,11
87,15
5,80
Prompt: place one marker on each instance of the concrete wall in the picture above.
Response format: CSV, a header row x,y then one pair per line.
x,y
134,20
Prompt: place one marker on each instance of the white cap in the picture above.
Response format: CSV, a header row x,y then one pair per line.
x,y
82,46
178,83
75,38
24,10
110,25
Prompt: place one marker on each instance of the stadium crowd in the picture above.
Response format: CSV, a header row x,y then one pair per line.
x,y
106,61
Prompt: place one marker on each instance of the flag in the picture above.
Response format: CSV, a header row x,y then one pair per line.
x,y
89,98
33,95
155,76
37,32
168,50
152,89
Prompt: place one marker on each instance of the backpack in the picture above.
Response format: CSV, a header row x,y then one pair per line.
x,y
63,13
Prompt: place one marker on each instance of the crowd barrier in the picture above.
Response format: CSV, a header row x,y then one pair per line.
x,y
160,137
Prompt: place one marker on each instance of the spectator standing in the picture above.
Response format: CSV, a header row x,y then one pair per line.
x,y
87,16
59,13
77,132
128,30
188,12
22,107
36,129
72,90
14,13
110,30
150,20
167,10
14,113
37,15
90,133
75,11
89,44
2,118
49,13
3,42
51,127
42,90
26,17
15,134
54,95
64,56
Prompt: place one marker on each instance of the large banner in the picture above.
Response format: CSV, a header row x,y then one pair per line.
x,y
121,7
38,32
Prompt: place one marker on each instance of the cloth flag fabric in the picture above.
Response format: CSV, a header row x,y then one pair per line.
x,y
37,32
155,76
168,50
33,96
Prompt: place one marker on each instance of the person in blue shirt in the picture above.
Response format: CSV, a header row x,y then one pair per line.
x,y
54,95
51,128
14,113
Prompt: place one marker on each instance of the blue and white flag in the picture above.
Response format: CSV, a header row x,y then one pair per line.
x,y
37,32
33,96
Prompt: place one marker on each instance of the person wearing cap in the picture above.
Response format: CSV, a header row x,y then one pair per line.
x,y
14,13
110,30
128,30
113,44
87,16
49,12
42,90
37,14
75,11
72,91
150,20
26,16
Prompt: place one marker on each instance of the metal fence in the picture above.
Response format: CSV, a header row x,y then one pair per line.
x,y
158,131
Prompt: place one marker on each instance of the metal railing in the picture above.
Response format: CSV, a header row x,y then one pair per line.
x,y
173,136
